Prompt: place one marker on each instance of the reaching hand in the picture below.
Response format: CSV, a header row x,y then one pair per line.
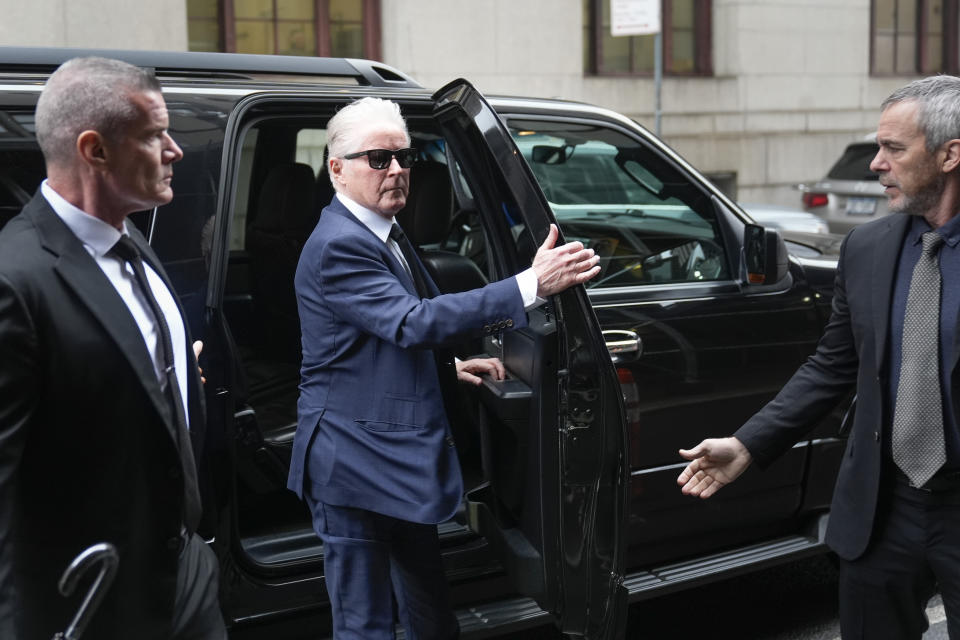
x,y
716,462
560,268
197,348
467,368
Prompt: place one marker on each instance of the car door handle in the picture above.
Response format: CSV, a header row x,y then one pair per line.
x,y
623,344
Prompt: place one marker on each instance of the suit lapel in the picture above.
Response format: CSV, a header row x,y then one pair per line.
x,y
886,255
391,260
82,275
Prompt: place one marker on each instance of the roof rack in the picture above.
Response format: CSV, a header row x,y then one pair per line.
x,y
237,66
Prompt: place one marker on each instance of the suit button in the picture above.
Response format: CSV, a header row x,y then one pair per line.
x,y
450,442
487,328
173,543
509,322
876,436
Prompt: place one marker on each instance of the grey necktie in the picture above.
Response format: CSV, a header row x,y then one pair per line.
x,y
918,442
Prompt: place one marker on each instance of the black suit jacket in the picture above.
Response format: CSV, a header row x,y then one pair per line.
x,y
87,445
852,351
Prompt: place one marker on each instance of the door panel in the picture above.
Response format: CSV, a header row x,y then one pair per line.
x,y
565,520
713,350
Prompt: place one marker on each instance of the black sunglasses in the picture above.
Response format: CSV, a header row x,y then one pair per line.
x,y
380,158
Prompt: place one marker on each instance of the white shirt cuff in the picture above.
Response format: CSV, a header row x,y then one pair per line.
x,y
527,283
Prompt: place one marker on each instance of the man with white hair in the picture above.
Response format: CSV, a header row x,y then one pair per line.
x,y
373,455
894,337
101,402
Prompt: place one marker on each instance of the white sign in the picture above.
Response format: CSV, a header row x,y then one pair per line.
x,y
634,17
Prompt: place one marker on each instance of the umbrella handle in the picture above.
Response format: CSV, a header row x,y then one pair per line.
x,y
104,554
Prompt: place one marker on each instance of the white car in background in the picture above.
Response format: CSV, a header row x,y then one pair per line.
x,y
785,218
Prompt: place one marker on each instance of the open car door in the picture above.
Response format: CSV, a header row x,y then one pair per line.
x,y
554,443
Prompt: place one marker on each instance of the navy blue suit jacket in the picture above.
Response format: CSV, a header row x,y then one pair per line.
x,y
851,353
372,430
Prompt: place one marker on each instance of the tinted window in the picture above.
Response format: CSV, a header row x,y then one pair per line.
x,y
21,172
648,222
854,164
181,233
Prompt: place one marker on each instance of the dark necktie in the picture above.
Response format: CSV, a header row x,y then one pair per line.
x,y
413,263
128,251
918,440
447,372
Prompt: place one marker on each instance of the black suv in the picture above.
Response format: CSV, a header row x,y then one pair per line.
x,y
696,320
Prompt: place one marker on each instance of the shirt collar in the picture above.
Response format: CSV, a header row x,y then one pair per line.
x,y
951,231
372,220
92,231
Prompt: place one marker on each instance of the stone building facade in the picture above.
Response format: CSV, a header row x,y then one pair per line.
x,y
780,86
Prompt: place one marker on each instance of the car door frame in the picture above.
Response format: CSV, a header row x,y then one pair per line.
x,y
582,519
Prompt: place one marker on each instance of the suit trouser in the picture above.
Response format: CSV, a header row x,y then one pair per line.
x,y
196,611
369,559
914,551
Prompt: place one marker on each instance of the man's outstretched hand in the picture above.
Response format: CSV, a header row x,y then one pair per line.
x,y
559,268
715,463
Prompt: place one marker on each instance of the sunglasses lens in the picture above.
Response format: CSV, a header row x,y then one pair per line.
x,y
406,157
379,158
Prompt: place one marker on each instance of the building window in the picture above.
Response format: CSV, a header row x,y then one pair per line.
x,y
339,28
686,41
913,37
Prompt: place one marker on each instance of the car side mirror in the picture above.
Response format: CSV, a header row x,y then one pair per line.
x,y
764,255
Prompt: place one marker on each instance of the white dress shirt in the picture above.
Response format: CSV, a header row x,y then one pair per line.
x,y
98,237
380,226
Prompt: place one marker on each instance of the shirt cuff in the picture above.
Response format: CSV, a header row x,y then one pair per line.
x,y
527,283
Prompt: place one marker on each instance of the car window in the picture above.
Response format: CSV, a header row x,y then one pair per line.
x,y
21,171
647,221
21,164
854,164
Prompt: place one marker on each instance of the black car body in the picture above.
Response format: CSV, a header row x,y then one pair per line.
x,y
571,463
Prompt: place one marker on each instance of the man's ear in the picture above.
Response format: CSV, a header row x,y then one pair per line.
x,y
951,158
91,149
336,169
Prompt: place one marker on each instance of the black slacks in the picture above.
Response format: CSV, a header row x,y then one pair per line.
x,y
196,610
915,551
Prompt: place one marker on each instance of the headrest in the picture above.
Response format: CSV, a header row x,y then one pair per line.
x,y
287,199
426,216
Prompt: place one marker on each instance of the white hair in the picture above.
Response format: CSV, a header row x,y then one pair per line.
x,y
351,124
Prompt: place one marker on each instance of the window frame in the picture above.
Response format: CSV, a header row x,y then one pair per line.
x,y
703,42
950,35
725,237
321,23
